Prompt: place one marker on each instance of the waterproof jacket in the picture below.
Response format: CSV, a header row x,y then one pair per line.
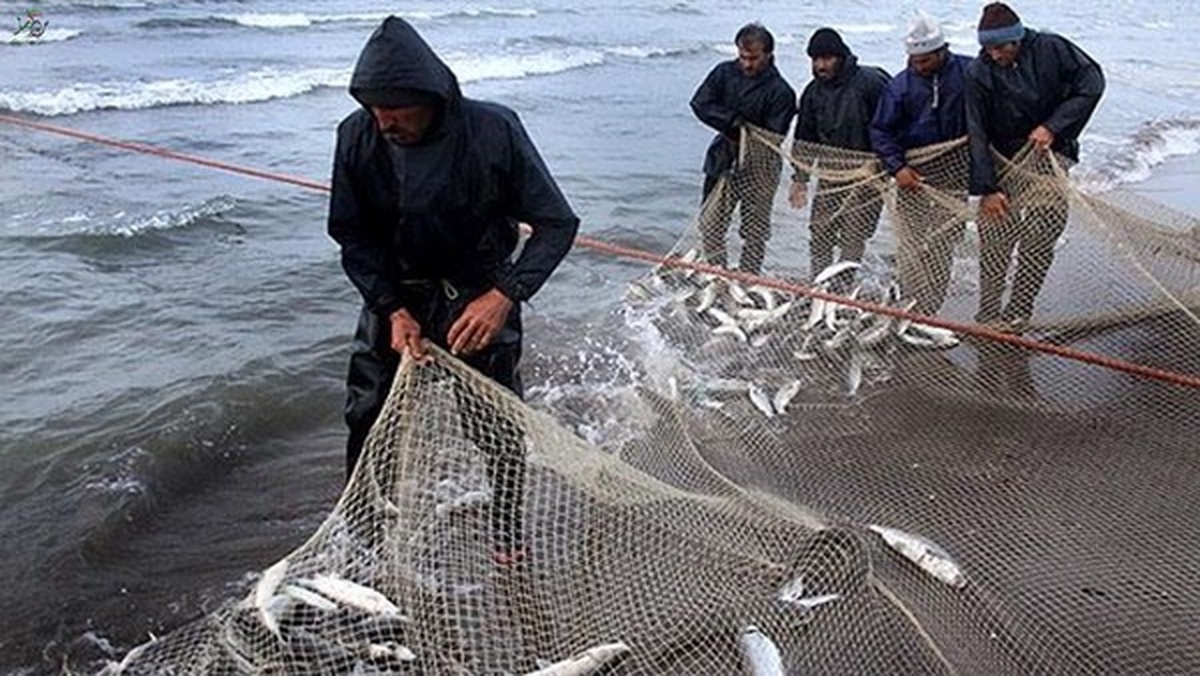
x,y
728,98
448,207
1053,83
916,111
838,112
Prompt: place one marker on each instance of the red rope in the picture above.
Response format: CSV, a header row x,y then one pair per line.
x,y
638,254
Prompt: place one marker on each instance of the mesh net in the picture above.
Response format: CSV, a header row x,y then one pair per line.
x,y
847,463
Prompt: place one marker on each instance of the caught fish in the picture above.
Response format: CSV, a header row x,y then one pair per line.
x,y
767,296
760,652
708,295
722,316
854,376
936,333
739,294
905,322
688,257
390,649
840,338
928,556
835,270
776,313
352,594
876,332
752,318
804,353
309,598
587,662
264,592
816,313
794,593
761,400
784,396
760,340
733,330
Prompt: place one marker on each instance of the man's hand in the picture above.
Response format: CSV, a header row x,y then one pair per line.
x,y
406,334
1041,138
798,194
908,178
994,207
479,323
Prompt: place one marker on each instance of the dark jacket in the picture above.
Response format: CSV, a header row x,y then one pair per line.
x,y
1053,83
447,208
838,112
916,111
728,98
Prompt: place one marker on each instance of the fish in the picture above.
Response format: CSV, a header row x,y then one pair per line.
x,y
708,295
928,556
760,652
760,340
793,593
732,329
776,313
390,649
739,294
816,313
767,295
351,594
587,662
903,324
840,338
752,318
804,354
854,376
835,270
722,316
760,400
309,598
876,332
917,341
936,333
689,256
784,396
264,591
726,385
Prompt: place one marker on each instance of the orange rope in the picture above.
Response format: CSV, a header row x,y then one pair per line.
x,y
638,254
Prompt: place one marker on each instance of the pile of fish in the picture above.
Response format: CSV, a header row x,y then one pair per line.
x,y
768,321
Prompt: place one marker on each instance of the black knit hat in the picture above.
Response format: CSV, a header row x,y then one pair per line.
x,y
998,15
827,42
395,97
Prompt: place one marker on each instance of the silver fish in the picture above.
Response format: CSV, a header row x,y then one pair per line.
x,y
785,395
835,270
708,295
876,332
937,333
309,598
733,330
587,662
816,313
722,316
739,294
854,376
352,594
264,591
761,400
761,653
390,649
767,295
928,556
760,340
905,322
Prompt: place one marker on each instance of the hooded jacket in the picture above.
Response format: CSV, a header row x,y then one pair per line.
x,y
838,112
727,98
916,111
446,208
1053,83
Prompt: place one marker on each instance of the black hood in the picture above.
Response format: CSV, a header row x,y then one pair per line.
x,y
396,58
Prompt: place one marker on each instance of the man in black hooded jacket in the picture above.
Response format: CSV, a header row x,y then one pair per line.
x,y
1026,87
428,191
836,110
748,90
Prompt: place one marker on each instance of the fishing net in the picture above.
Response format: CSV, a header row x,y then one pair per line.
x,y
840,466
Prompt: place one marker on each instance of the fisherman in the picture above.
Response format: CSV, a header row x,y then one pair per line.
x,y
428,191
836,109
1026,87
745,91
925,106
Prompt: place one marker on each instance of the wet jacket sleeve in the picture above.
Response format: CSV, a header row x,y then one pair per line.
x,y
983,168
537,201
708,105
782,109
806,132
364,253
885,127
1084,85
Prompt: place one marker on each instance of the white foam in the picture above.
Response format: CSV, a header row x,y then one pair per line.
x,y
260,85
471,68
303,20
51,35
161,220
1133,161
863,28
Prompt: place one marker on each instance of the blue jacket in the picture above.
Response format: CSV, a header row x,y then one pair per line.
x,y
916,111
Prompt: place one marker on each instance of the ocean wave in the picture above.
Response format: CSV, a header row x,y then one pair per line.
x,y
1133,159
865,28
256,86
293,20
122,225
51,35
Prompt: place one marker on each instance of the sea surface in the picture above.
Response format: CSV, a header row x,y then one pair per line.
x,y
173,339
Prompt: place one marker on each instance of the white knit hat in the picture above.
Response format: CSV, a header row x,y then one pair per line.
x,y
924,35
